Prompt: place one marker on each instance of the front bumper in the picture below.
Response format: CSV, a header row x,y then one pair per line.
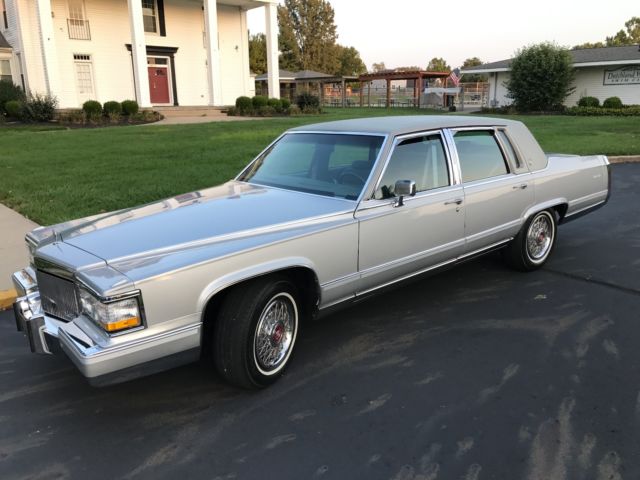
x,y
100,358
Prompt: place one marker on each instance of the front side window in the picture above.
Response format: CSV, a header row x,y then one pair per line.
x,y
333,165
150,16
479,154
419,159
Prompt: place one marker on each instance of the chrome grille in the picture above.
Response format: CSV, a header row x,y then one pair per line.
x,y
58,296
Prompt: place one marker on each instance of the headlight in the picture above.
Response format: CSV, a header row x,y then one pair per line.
x,y
113,316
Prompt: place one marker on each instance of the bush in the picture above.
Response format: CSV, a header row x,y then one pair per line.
x,y
266,111
92,109
275,103
39,108
308,103
13,108
75,116
259,101
244,105
612,102
9,91
112,108
130,107
541,77
232,111
630,111
286,103
588,102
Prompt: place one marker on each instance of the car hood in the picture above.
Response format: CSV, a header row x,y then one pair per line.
x,y
232,210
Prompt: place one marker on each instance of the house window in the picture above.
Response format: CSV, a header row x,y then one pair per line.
x,y
4,14
5,70
84,76
77,23
150,15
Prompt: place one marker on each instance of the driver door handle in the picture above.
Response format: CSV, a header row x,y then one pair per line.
x,y
456,201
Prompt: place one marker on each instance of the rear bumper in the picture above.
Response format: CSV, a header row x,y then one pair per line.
x,y
98,358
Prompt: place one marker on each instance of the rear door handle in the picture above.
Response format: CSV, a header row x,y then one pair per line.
x,y
456,201
522,186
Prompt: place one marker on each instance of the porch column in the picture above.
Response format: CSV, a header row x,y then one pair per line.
x,y
213,53
273,72
49,55
139,54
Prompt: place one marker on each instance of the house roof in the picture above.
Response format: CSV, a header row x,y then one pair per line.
x,y
582,57
3,42
284,75
303,75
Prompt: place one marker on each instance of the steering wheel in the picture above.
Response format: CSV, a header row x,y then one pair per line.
x,y
347,176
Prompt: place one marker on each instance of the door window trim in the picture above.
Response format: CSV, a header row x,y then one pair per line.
x,y
453,178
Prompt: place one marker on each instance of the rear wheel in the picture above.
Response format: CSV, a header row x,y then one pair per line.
x,y
534,243
256,331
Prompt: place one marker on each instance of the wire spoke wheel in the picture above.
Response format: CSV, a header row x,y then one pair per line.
x,y
540,236
275,333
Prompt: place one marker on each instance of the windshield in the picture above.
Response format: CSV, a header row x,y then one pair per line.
x,y
334,165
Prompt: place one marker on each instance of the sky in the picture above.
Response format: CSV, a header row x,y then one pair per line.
x,y
411,32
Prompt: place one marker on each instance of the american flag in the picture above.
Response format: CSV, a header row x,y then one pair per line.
x,y
454,76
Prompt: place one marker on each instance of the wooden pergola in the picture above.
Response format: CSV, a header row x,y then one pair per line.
x,y
389,75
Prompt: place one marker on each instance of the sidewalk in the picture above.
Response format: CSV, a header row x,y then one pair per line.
x,y
13,252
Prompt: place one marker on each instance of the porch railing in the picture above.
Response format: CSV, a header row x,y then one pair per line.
x,y
78,29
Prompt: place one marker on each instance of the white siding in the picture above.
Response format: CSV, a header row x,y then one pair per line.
x,y
112,67
589,83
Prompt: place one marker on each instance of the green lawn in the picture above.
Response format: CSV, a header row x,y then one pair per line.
x,y
56,175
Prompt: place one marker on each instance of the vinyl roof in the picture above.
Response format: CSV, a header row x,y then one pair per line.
x,y
403,124
605,55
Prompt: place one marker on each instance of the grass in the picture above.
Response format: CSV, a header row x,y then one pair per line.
x,y
56,175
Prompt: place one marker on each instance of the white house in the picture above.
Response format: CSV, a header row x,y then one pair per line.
x,y
600,72
158,52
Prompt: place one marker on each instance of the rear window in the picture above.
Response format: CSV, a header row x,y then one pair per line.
x,y
479,154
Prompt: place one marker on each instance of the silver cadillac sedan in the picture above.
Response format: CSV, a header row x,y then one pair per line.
x,y
324,215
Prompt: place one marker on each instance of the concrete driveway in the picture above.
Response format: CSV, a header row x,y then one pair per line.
x,y
477,373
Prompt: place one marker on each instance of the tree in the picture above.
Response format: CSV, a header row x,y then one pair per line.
x,y
308,36
437,64
630,35
350,62
541,77
473,77
258,53
411,68
378,67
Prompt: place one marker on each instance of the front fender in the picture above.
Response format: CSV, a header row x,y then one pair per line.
x,y
248,273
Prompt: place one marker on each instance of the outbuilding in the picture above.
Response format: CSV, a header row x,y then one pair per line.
x,y
600,72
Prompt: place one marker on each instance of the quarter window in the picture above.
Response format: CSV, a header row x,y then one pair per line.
x,y
479,154
510,151
419,159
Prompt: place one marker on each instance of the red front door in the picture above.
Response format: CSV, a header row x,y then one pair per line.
x,y
159,85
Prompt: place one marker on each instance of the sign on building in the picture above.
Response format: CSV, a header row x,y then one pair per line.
x,y
622,76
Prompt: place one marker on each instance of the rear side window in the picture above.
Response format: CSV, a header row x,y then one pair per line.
x,y
479,154
420,159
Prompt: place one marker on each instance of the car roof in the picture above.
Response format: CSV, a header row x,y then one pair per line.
x,y
399,125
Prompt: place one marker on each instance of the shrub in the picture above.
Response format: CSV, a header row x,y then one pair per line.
x,y
232,111
92,108
588,102
630,111
130,107
39,108
266,111
541,77
9,91
112,108
259,101
13,108
612,102
286,103
308,103
275,103
244,105
75,116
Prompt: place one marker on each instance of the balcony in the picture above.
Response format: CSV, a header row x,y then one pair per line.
x,y
78,29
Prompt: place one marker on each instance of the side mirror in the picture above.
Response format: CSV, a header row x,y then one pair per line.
x,y
402,189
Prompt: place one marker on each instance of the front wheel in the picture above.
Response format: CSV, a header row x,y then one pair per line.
x,y
534,243
256,331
